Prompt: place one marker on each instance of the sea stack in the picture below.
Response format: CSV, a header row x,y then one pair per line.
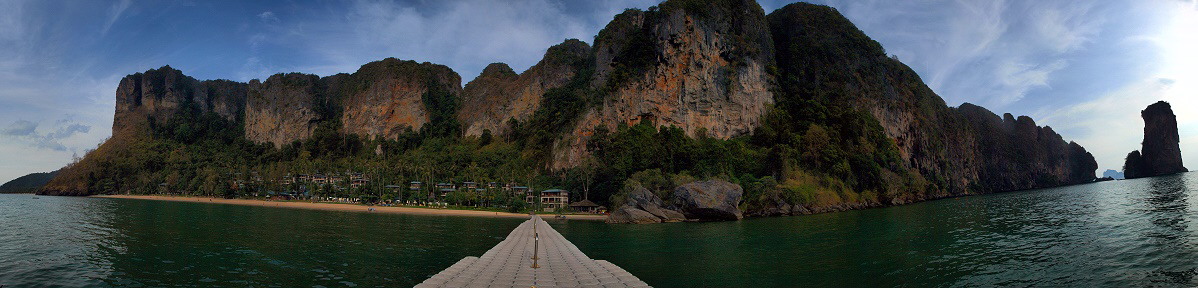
x,y
1161,152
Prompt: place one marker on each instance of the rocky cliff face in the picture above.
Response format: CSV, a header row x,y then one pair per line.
x,y
960,151
499,94
707,72
385,98
381,100
831,59
159,93
1016,154
713,68
280,110
1161,151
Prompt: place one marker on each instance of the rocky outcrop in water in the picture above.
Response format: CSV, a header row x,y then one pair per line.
x,y
1161,151
1111,173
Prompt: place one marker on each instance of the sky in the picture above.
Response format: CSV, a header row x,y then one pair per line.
x,y
1085,68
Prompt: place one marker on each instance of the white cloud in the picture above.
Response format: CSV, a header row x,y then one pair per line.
x,y
23,131
20,128
1014,80
991,53
268,17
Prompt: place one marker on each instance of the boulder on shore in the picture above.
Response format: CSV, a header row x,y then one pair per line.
x,y
642,205
712,200
631,215
772,206
643,199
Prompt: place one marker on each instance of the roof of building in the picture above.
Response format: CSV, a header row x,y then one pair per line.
x,y
584,203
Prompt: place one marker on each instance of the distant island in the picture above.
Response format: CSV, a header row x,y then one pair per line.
x,y
28,183
707,110
1111,173
1161,151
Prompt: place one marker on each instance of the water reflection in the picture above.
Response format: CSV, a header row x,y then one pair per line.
x,y
170,243
1166,207
1112,234
58,240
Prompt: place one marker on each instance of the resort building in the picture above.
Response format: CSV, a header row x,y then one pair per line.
x,y
357,183
445,189
320,179
553,199
585,206
336,179
527,193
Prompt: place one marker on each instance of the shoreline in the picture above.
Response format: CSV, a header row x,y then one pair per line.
x,y
343,207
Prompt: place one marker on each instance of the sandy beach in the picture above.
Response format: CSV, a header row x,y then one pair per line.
x,y
344,207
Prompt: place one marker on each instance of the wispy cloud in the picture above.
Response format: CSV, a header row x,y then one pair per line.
x,y
992,53
26,132
268,17
20,128
114,14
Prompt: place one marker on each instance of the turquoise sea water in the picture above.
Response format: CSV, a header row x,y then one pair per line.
x,y
1130,233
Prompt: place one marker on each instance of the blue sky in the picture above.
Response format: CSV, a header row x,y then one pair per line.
x,y
1085,68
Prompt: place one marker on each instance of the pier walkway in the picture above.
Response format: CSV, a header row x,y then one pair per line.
x,y
510,264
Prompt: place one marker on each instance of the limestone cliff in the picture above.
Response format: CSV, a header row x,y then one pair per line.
x,y
499,94
385,98
1016,154
159,93
1161,151
691,65
280,110
716,68
959,150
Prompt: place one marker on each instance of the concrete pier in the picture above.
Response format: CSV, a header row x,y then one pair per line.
x,y
510,264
